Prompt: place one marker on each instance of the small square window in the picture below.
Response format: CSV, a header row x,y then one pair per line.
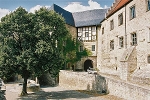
x,y
111,24
93,28
132,12
79,29
93,47
120,19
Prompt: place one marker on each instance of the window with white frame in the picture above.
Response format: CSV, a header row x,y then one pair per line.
x,y
120,19
148,5
93,47
112,45
121,42
134,39
132,12
111,24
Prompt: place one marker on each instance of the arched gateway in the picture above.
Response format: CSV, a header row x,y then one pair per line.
x,y
88,63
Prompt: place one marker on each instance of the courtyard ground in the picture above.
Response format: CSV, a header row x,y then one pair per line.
x,y
13,91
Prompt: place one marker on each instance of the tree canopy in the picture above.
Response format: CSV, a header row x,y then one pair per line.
x,y
31,43
35,43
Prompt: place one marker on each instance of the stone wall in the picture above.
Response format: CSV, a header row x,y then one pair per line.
x,y
82,81
113,86
72,30
76,80
127,90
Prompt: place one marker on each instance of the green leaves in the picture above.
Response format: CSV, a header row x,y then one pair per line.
x,y
26,44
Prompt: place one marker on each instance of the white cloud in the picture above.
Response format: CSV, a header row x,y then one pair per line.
x,y
77,6
3,12
106,7
37,7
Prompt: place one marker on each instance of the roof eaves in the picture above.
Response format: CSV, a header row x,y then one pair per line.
x,y
117,7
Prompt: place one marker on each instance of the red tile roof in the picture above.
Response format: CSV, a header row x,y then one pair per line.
x,y
116,6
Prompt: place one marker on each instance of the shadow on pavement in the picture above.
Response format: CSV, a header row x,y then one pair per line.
x,y
57,95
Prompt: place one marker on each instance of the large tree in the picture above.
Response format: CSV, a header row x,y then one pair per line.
x,y
31,43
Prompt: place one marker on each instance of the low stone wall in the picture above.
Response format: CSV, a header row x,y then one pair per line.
x,y
76,80
120,88
127,90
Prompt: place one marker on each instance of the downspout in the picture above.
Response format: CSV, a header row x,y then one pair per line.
x,y
125,30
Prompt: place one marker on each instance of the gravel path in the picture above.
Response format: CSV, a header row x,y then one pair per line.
x,y
52,93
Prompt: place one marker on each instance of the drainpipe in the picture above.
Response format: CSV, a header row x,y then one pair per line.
x,y
125,30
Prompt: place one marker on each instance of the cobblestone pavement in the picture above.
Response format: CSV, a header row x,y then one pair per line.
x,y
52,93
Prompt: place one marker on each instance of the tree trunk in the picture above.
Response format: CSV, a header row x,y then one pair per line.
x,y
24,89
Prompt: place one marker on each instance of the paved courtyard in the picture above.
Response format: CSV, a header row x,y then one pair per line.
x,y
52,93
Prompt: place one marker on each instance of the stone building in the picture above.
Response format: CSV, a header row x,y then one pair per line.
x,y
124,40
84,26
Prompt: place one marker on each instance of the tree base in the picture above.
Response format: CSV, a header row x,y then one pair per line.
x,y
23,93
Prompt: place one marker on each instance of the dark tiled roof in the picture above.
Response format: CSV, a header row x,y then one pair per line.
x,y
89,18
79,19
67,15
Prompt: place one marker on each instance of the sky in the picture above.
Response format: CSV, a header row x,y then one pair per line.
x,y
7,6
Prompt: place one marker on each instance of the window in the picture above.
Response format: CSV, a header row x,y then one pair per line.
x,y
120,19
148,59
148,4
81,48
121,42
93,47
86,34
112,45
93,28
132,12
148,36
103,30
134,39
111,24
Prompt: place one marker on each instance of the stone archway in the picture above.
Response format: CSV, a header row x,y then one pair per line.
x,y
88,63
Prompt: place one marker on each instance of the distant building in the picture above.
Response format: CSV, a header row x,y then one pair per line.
x,y
85,27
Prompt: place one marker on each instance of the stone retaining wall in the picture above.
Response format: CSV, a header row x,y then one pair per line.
x,y
120,88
